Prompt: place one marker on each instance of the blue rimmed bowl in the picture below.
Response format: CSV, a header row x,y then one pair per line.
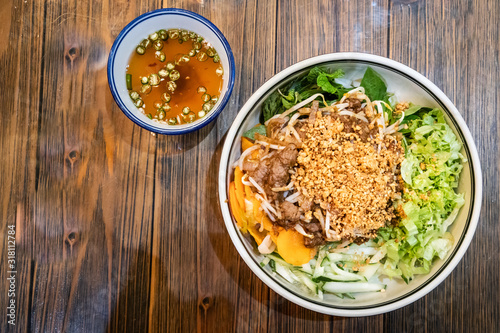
x,y
406,85
135,32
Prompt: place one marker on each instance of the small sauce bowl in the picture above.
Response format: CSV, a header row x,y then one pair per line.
x,y
142,26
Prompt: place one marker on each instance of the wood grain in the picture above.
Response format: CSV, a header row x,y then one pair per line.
x,y
120,230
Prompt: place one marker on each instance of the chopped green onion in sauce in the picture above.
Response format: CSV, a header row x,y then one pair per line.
x,y
166,76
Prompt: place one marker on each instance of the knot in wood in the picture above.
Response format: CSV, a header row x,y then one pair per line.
x,y
71,238
205,303
72,156
72,54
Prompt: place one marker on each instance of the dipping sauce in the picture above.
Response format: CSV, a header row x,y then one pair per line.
x,y
174,76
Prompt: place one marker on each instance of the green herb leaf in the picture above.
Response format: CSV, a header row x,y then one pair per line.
x,y
313,74
272,106
325,84
318,80
308,93
289,100
375,87
326,81
261,129
287,104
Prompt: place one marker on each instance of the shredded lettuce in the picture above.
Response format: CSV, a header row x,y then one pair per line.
x,y
431,170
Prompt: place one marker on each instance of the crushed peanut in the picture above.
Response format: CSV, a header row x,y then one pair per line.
x,y
347,177
400,107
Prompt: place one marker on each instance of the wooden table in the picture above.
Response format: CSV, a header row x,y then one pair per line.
x,y
120,230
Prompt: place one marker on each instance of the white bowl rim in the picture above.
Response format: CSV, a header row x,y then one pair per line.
x,y
476,180
162,129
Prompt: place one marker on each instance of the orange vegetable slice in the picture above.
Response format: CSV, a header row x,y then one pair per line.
x,y
248,192
260,216
245,143
291,247
255,232
240,190
238,212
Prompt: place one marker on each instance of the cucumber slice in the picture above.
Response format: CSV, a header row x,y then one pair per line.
x,y
369,270
336,257
325,261
319,271
308,283
265,261
361,251
306,268
327,277
347,274
349,295
352,287
285,273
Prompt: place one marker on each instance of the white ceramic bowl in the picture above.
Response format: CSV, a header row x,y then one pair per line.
x,y
140,28
407,85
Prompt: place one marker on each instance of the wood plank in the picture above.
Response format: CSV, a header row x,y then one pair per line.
x,y
20,101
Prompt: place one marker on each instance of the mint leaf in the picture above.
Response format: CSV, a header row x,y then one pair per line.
x,y
313,74
326,81
325,84
287,104
375,87
261,129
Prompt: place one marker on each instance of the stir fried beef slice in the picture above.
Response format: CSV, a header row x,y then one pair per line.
x,y
287,224
365,132
354,125
316,240
288,156
354,105
290,212
301,128
273,171
314,110
312,226
348,123
261,172
278,174
250,165
280,164
274,127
